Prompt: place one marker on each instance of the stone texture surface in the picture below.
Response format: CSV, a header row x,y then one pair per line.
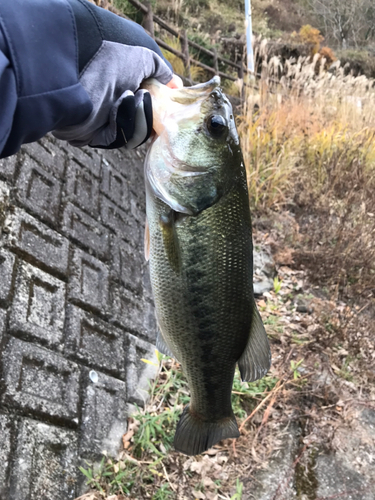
x,y
8,168
338,479
36,242
139,374
39,382
264,271
82,188
88,281
38,308
2,323
86,231
313,473
5,447
104,414
6,273
52,451
94,343
76,312
277,481
38,190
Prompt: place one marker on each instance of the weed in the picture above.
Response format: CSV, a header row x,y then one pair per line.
x,y
94,476
154,431
310,36
298,339
196,72
309,144
271,320
345,371
239,488
294,367
275,327
277,284
111,477
163,493
152,438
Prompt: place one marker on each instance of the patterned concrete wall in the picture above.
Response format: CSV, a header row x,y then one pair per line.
x,y
76,313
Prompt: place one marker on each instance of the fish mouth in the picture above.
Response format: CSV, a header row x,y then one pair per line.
x,y
186,103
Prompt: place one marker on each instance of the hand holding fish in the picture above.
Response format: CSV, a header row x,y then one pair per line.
x,y
77,71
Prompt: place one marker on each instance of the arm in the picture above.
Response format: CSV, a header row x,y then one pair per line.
x,y
71,67
40,86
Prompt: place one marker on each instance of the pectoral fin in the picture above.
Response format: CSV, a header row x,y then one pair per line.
x,y
162,346
256,358
170,240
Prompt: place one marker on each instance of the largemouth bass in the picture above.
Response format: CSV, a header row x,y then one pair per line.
x,y
200,251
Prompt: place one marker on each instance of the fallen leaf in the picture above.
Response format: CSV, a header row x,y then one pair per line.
x,y
199,495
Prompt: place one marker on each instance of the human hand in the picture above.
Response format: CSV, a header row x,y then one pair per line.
x,y
115,56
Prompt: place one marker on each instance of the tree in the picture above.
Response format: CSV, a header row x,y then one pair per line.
x,y
348,22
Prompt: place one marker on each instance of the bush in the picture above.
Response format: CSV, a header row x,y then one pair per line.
x,y
310,36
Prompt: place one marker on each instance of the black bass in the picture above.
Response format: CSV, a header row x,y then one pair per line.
x,y
200,251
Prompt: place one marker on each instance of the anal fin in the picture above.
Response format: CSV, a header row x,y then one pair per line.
x,y
256,358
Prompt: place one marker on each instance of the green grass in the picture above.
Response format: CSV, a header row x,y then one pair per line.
x,y
163,493
245,395
239,488
113,478
154,431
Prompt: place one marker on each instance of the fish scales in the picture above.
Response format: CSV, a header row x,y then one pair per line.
x,y
203,306
201,274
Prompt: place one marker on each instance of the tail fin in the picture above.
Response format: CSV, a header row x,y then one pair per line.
x,y
194,436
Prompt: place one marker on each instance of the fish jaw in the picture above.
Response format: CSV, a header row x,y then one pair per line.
x,y
167,102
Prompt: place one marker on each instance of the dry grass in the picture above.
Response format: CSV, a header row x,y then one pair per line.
x,y
309,145
196,72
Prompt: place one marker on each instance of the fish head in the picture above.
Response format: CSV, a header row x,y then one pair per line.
x,y
195,157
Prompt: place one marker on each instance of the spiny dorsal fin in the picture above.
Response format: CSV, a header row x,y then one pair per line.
x,y
256,358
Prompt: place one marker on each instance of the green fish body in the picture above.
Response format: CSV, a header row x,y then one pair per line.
x,y
201,262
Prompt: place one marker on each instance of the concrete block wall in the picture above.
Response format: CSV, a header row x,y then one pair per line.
x,y
76,312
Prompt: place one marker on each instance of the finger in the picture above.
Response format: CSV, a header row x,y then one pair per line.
x,y
175,83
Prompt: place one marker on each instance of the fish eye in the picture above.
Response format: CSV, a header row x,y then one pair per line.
x,y
216,125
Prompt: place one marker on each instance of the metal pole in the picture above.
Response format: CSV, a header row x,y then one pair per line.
x,y
249,35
